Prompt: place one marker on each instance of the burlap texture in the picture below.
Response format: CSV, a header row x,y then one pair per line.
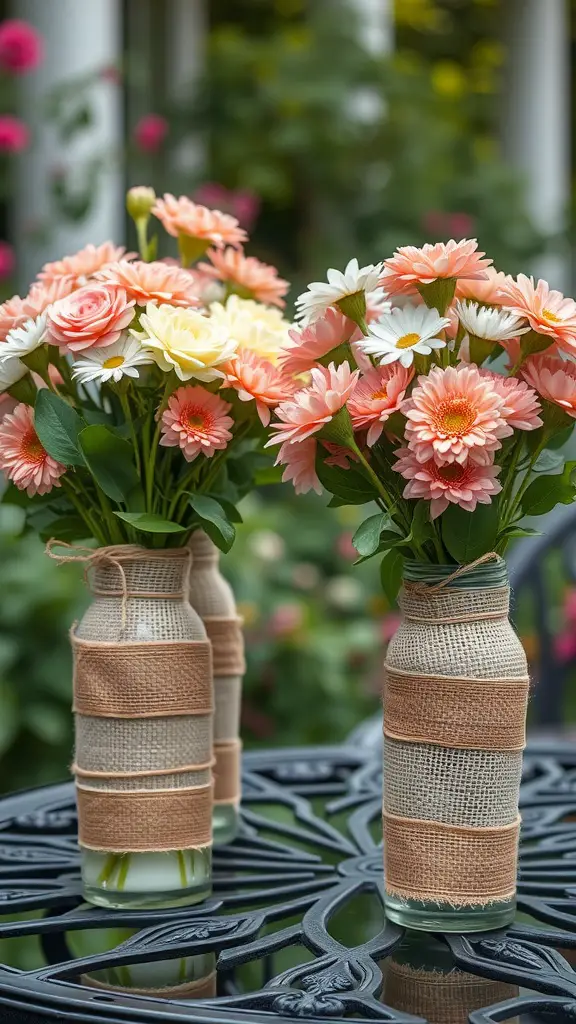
x,y
212,597
440,997
201,988
454,718
143,701
460,866
478,714
144,822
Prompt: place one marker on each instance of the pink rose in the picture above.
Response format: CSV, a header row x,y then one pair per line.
x,y
21,46
14,134
150,132
91,317
7,260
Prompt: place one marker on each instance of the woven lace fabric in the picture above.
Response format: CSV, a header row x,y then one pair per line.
x,y
468,788
150,733
212,597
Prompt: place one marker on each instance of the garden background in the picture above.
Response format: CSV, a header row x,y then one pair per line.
x,y
331,129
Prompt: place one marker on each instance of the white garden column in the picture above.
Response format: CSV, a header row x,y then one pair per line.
x,y
376,24
536,115
185,59
80,36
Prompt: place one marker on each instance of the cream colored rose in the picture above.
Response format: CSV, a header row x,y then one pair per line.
x,y
185,341
252,325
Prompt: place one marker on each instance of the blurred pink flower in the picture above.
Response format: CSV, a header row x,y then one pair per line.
x,y
241,203
460,225
570,606
390,624
14,134
450,225
565,646
150,132
345,547
110,73
7,260
286,619
21,46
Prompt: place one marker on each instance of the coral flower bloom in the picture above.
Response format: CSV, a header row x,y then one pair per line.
x,y
256,379
521,406
12,314
152,282
197,422
249,278
300,462
376,396
308,345
410,266
554,379
546,310
22,458
463,485
83,264
313,407
454,413
183,217
91,317
490,290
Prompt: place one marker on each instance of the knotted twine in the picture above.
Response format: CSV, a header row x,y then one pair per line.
x,y
212,597
143,704
455,696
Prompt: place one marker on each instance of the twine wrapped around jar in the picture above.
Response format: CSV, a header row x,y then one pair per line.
x,y
455,697
212,597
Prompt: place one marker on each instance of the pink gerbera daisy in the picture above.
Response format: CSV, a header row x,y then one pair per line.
x,y
250,278
197,422
463,485
152,282
83,264
22,458
546,310
521,405
313,407
300,461
183,217
488,290
378,394
410,266
454,413
308,345
257,379
12,314
554,379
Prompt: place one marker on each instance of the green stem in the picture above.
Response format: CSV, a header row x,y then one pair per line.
x,y
124,402
142,233
151,457
515,504
509,481
82,509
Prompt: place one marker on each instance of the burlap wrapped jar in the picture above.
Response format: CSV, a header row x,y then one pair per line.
x,y
212,597
455,697
143,715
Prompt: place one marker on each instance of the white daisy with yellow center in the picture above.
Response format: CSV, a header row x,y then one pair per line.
x,y
111,363
490,323
401,333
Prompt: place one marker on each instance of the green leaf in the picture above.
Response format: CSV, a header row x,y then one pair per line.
x,y
109,459
269,476
391,569
214,520
348,484
421,527
9,720
546,492
519,531
468,535
58,426
548,462
150,522
366,540
229,508
559,439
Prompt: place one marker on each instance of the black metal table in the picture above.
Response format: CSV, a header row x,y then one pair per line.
x,y
295,928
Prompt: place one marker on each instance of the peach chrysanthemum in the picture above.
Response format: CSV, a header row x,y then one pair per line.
x,y
16,311
197,422
300,462
152,282
521,405
12,314
313,407
554,379
308,345
22,458
546,310
257,379
463,485
376,396
489,290
454,413
183,217
249,277
410,266
82,265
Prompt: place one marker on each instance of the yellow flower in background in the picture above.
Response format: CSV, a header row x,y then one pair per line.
x,y
252,326
422,15
185,341
448,79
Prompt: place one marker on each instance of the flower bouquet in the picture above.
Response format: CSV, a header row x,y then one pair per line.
x,y
135,396
442,391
